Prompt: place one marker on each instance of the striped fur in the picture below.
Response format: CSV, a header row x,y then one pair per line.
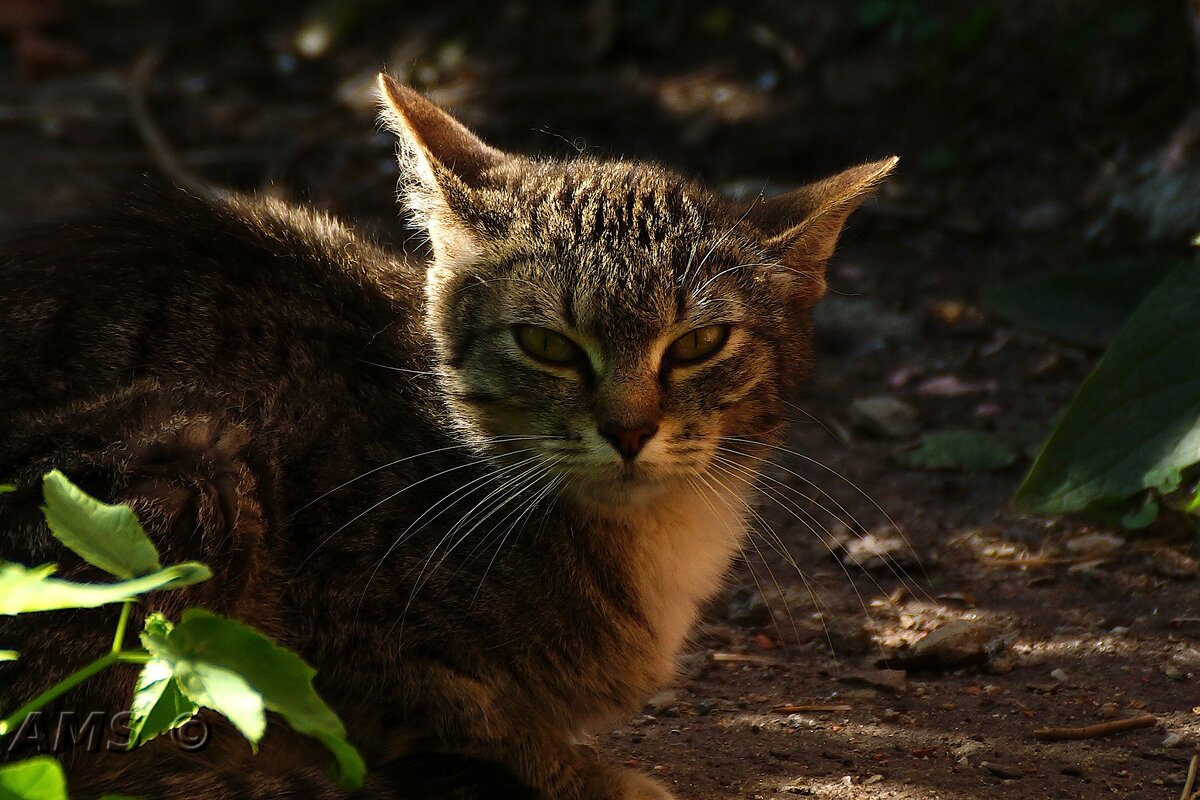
x,y
379,475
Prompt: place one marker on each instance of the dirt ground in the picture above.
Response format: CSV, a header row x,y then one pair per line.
x,y
1014,120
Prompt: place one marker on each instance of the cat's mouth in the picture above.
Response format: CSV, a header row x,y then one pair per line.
x,y
634,476
631,472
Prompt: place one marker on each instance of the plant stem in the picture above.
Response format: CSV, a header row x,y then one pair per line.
x,y
122,621
15,719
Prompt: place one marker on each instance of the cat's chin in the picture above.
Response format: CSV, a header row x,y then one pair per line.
x,y
625,491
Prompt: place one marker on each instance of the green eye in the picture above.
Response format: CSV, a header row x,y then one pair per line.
x,y
546,345
699,344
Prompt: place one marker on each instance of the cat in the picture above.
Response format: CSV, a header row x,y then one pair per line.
x,y
484,493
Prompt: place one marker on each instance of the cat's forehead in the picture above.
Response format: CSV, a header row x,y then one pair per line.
x,y
625,246
616,205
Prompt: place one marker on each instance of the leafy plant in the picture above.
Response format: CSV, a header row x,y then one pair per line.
x,y
973,451
202,661
1134,425
38,778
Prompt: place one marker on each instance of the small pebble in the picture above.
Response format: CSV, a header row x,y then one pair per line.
x,y
747,608
1003,770
892,680
883,552
955,644
1095,545
1170,563
1173,672
883,416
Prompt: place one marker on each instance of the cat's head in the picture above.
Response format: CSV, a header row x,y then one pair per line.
x,y
644,327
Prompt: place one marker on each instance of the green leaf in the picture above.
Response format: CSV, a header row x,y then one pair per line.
x,y
6,488
1193,507
1135,422
39,778
972,451
1142,516
9,655
209,646
108,537
159,705
24,589
181,673
1086,306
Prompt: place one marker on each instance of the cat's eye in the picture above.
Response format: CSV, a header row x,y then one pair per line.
x,y
698,344
546,345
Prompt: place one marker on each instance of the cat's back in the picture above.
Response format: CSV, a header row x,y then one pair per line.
x,y
237,294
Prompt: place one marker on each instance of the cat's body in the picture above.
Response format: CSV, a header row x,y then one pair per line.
x,y
380,477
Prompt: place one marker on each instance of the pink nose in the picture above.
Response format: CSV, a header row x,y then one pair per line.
x,y
629,441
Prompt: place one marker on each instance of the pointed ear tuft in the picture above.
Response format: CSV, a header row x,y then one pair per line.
x,y
442,164
436,141
803,225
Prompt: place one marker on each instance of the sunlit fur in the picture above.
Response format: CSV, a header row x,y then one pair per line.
x,y
622,259
380,477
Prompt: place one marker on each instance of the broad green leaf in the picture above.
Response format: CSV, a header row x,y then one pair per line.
x,y
9,655
5,488
27,589
1194,506
183,675
39,778
1135,422
973,451
105,536
159,705
1086,306
203,642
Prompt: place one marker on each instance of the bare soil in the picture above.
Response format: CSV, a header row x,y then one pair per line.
x,y
1011,127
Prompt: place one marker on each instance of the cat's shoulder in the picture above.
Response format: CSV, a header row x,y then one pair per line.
x,y
157,231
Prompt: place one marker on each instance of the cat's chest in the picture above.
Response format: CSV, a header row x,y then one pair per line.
x,y
681,548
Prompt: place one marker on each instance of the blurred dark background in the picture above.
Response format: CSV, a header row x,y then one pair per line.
x,y
1014,118
1036,136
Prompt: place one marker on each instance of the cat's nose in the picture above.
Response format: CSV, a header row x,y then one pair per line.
x,y
629,441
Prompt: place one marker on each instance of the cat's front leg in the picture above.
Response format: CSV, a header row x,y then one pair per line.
x,y
559,769
480,718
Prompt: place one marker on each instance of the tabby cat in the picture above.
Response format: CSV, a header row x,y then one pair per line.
x,y
484,494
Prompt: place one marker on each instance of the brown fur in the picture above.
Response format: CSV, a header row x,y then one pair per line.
x,y
379,476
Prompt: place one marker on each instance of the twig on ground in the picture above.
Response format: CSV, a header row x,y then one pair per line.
x,y
811,709
1191,778
1035,561
743,658
1097,730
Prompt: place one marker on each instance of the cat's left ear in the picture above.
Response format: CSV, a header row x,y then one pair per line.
x,y
803,225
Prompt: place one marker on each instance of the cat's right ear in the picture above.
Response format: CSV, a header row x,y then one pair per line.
x,y
435,140
442,163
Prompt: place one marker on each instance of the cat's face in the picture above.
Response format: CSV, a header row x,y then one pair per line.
x,y
618,326
623,313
